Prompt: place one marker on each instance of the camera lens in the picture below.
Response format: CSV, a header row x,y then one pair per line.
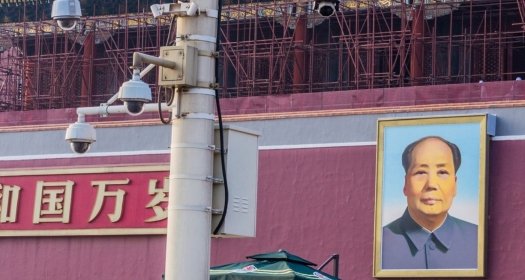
x,y
80,147
67,23
326,10
134,107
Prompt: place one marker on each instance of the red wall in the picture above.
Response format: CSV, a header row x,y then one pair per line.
x,y
311,202
315,202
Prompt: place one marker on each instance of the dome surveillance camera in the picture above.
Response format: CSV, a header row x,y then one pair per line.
x,y
134,93
80,136
67,13
326,8
67,24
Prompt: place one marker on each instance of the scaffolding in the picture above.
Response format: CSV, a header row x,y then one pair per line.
x,y
273,48
50,68
284,47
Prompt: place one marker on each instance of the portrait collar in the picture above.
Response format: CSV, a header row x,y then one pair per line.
x,y
418,235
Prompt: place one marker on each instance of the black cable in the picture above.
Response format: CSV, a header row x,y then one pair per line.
x,y
159,88
160,107
219,117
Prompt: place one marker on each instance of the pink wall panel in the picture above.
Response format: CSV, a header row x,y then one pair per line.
x,y
312,202
506,215
82,258
315,202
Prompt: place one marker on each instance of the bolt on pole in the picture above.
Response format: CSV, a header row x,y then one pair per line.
x,y
191,155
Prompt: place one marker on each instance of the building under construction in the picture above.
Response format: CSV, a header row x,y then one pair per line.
x,y
335,101
266,47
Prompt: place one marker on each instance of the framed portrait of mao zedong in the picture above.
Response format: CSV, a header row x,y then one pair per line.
x,y
430,196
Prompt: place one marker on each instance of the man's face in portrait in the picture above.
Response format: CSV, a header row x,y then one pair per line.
x,y
430,182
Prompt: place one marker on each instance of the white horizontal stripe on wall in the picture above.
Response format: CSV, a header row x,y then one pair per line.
x,y
313,146
261,148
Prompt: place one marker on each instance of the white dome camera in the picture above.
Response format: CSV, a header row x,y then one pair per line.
x,y
80,136
67,13
326,8
134,93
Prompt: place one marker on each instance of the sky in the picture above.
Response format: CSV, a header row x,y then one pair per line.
x,y
465,135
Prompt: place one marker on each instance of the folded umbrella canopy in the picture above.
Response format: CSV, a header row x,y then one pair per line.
x,y
276,265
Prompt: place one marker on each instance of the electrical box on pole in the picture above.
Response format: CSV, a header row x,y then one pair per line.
x,y
185,73
241,161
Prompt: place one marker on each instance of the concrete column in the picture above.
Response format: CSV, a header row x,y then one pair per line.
x,y
191,162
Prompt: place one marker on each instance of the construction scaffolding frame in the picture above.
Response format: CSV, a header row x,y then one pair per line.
x,y
273,48
284,47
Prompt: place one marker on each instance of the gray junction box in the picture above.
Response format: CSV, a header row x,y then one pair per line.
x,y
241,160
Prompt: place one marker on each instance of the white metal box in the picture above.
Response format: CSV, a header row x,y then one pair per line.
x,y
185,73
241,161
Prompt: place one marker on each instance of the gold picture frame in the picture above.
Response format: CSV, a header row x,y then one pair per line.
x,y
430,199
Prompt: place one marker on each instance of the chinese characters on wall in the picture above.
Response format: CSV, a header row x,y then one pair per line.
x,y
86,200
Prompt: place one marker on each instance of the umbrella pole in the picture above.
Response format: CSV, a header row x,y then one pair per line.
x,y
335,259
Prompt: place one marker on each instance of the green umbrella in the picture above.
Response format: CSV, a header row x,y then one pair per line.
x,y
276,265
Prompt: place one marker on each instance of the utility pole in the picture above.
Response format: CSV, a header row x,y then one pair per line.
x,y
191,152
189,69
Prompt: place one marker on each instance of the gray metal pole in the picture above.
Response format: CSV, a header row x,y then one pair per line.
x,y
191,163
